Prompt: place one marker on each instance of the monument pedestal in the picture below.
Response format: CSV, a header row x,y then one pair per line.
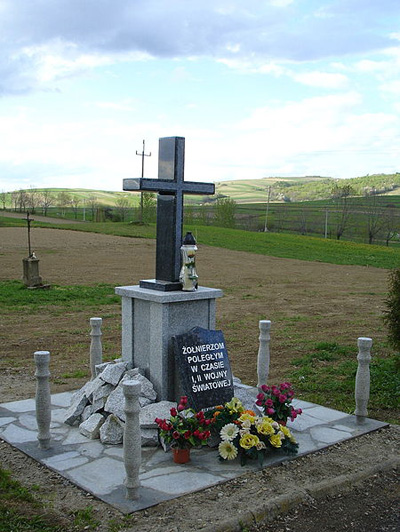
x,y
150,319
31,277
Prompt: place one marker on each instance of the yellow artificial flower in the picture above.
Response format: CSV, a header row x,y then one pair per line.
x,y
227,450
275,441
265,428
247,417
288,434
267,419
235,405
247,441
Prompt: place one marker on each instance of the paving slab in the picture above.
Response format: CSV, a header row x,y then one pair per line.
x,y
99,469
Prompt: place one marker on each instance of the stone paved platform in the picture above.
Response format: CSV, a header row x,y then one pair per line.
x,y
99,469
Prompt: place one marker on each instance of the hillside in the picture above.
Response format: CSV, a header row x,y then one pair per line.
x,y
290,189
280,189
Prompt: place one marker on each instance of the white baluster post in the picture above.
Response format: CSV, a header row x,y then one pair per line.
x,y
132,438
263,352
43,400
96,350
363,376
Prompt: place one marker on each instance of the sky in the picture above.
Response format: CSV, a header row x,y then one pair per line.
x,y
258,88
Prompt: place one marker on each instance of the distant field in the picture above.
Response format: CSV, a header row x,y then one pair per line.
x,y
271,244
310,206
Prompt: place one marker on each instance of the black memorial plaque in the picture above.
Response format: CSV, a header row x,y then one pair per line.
x,y
204,368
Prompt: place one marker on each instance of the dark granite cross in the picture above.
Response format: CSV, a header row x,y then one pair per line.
x,y
171,187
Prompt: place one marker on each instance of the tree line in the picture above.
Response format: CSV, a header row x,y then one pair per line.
x,y
372,218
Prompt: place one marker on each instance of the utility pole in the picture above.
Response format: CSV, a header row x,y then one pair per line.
x,y
142,155
267,209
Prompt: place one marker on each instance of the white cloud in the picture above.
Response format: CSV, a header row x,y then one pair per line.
x,y
43,40
124,105
322,79
392,87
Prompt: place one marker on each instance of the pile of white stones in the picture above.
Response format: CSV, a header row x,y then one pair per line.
x,y
98,407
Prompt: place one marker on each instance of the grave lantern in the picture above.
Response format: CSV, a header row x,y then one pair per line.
x,y
188,275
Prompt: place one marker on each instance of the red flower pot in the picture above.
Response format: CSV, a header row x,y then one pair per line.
x,y
180,456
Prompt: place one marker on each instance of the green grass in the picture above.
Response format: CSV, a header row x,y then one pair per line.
x,y
23,510
84,519
11,489
326,376
299,247
13,294
18,507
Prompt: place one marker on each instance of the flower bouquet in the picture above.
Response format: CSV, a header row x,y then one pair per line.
x,y
185,428
276,402
254,437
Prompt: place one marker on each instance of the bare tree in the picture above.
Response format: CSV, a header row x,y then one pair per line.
x,y
46,200
75,202
302,218
374,213
3,195
20,200
33,199
64,201
341,196
93,204
390,223
122,207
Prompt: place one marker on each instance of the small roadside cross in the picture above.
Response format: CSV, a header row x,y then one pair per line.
x,y
171,188
29,221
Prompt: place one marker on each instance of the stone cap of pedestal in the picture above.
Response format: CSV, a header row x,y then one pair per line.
x,y
136,292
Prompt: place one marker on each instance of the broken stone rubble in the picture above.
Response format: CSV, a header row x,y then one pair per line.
x,y
98,407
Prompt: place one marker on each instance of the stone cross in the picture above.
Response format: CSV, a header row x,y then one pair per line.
x,y
29,221
171,188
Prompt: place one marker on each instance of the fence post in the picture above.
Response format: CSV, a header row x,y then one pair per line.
x,y
96,350
263,352
363,376
43,400
132,438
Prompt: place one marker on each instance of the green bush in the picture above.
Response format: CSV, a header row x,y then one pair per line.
x,y
392,314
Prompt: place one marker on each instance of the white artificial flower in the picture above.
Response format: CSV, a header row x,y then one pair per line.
x,y
229,432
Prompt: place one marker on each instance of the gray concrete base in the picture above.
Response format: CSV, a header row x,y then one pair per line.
x,y
99,469
150,318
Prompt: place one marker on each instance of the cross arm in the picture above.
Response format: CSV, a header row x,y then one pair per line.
x,y
168,186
